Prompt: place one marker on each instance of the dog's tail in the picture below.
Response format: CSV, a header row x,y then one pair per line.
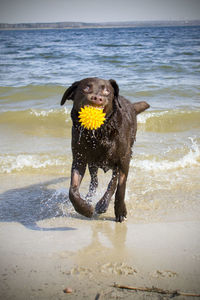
x,y
140,106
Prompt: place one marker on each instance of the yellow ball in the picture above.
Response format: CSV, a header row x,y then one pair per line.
x,y
91,117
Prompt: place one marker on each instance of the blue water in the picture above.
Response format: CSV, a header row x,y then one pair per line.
x,y
161,64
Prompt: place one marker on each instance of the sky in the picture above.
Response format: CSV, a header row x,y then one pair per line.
x,y
18,11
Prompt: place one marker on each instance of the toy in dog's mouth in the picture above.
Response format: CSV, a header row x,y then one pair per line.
x,y
91,117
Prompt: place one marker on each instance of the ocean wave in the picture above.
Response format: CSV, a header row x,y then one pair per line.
x,y
169,120
31,115
38,122
191,158
142,118
47,113
150,121
116,45
174,94
28,162
10,94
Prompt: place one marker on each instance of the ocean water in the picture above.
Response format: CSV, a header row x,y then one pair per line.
x,y
158,65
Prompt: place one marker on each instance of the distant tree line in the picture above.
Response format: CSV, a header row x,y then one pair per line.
x,y
62,25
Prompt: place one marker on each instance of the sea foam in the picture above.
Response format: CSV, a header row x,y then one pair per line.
x,y
142,118
192,158
46,113
12,163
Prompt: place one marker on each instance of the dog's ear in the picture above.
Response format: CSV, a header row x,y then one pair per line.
x,y
115,87
140,106
116,90
70,92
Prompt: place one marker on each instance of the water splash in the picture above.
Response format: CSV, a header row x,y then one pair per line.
x,y
56,202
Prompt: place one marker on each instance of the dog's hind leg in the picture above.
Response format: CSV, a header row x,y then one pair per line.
x,y
94,181
102,205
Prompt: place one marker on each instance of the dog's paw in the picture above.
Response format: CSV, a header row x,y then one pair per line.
x,y
102,206
120,212
120,219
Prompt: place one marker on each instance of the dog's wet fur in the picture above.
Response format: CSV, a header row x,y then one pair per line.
x,y
109,147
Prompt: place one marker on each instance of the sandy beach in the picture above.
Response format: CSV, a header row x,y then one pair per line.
x,y
41,259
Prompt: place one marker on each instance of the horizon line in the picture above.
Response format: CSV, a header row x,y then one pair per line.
x,y
103,22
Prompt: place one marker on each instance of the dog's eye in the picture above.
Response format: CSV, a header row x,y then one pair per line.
x,y
106,92
87,89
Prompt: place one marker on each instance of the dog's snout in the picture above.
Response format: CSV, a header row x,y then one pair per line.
x,y
96,99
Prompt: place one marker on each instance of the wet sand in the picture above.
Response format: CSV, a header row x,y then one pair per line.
x,y
39,261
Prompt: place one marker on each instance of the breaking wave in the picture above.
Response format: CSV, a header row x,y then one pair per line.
x,y
169,120
58,164
29,162
192,158
151,121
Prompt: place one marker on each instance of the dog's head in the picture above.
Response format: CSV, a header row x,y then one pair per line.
x,y
94,92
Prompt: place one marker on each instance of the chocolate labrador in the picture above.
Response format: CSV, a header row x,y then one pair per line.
x,y
108,147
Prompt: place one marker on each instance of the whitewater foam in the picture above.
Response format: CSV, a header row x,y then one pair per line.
x,y
43,113
46,113
11,163
142,118
15,163
190,159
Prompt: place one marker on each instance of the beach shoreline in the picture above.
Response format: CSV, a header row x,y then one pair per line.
x,y
41,264
88,256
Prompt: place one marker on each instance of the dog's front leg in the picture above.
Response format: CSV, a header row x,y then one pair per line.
x,y
80,205
120,206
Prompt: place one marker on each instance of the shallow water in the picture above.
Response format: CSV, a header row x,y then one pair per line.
x,y
159,65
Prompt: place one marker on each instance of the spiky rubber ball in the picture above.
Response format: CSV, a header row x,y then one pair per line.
x,y
91,117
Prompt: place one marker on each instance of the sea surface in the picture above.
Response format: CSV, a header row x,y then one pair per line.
x,y
160,65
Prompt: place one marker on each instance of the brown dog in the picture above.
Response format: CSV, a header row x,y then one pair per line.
x,y
109,147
